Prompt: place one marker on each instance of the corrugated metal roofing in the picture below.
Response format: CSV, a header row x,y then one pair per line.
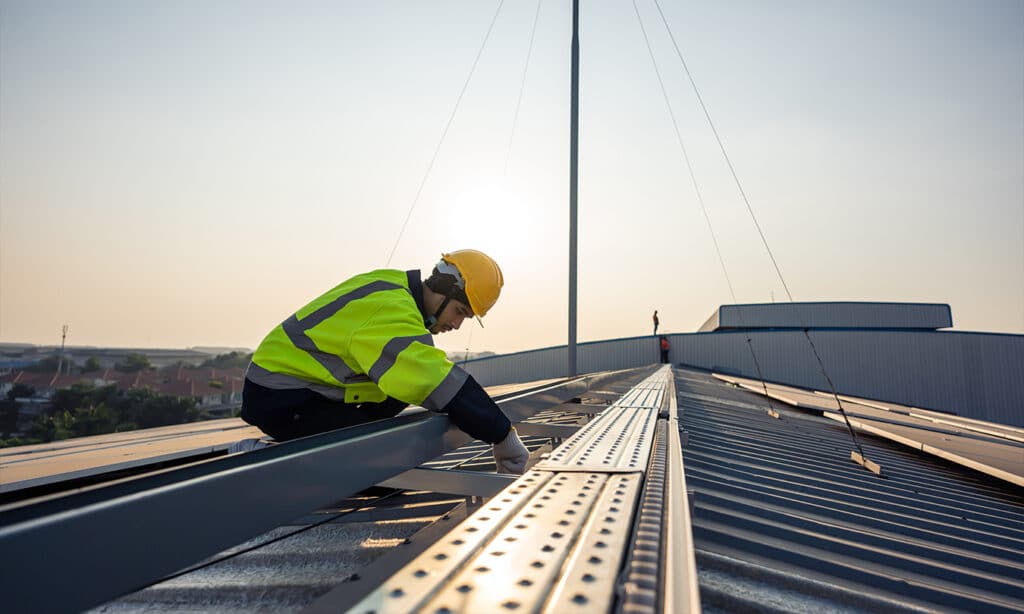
x,y
995,449
784,521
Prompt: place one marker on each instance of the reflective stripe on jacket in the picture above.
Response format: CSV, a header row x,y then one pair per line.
x,y
362,341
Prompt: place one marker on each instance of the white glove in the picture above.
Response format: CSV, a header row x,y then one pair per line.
x,y
510,454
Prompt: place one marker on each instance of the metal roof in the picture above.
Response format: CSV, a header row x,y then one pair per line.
x,y
783,520
995,449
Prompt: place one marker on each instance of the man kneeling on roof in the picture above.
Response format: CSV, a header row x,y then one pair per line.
x,y
363,351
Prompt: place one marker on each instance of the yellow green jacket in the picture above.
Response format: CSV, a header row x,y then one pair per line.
x,y
362,341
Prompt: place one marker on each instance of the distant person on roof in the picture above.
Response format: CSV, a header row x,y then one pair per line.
x,y
656,321
363,351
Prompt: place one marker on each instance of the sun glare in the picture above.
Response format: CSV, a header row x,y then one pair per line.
x,y
492,219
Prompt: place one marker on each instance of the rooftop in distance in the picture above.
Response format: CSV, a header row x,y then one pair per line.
x,y
844,314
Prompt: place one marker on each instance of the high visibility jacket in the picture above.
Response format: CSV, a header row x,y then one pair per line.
x,y
362,341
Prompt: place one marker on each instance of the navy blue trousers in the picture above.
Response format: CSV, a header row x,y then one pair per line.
x,y
290,414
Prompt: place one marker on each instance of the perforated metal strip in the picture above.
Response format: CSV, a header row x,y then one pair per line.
x,y
592,572
417,582
620,438
518,569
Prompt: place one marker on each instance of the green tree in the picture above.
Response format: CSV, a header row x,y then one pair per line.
x,y
42,428
8,417
133,363
46,365
19,391
53,427
92,364
70,399
64,424
147,409
231,359
110,395
95,420
86,410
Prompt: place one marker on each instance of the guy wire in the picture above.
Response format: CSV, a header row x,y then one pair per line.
x,y
757,225
703,207
444,134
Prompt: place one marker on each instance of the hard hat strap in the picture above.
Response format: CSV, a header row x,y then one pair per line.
x,y
437,314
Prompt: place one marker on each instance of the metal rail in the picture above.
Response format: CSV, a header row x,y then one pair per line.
x,y
121,537
565,536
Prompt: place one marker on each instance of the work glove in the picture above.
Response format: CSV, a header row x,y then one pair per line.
x,y
510,454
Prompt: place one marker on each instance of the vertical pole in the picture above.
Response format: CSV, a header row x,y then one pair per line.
x,y
63,337
574,137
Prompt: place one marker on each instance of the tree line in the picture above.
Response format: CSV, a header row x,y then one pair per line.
x,y
85,409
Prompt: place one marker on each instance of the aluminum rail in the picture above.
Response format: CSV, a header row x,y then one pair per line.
x,y
74,552
681,591
602,524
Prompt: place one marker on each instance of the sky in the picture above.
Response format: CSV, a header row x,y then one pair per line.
x,y
178,174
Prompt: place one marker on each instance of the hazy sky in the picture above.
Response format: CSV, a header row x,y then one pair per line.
x,y
182,173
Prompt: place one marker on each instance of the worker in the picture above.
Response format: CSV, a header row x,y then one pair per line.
x,y
363,351
664,346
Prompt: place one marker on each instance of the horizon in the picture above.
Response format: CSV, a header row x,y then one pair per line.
x,y
191,174
107,347
222,350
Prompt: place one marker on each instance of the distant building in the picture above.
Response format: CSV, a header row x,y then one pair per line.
x,y
209,388
44,384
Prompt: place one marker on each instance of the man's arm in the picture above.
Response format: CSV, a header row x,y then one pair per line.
x,y
473,411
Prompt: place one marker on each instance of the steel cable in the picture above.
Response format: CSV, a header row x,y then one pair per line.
x,y
522,88
757,225
444,134
700,199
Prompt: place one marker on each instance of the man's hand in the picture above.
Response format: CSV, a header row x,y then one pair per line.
x,y
510,454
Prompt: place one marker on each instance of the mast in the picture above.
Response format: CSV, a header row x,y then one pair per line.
x,y
63,338
574,134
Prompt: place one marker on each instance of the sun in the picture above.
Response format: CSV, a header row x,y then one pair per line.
x,y
493,219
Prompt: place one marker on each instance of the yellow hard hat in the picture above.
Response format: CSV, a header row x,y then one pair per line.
x,y
482,277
